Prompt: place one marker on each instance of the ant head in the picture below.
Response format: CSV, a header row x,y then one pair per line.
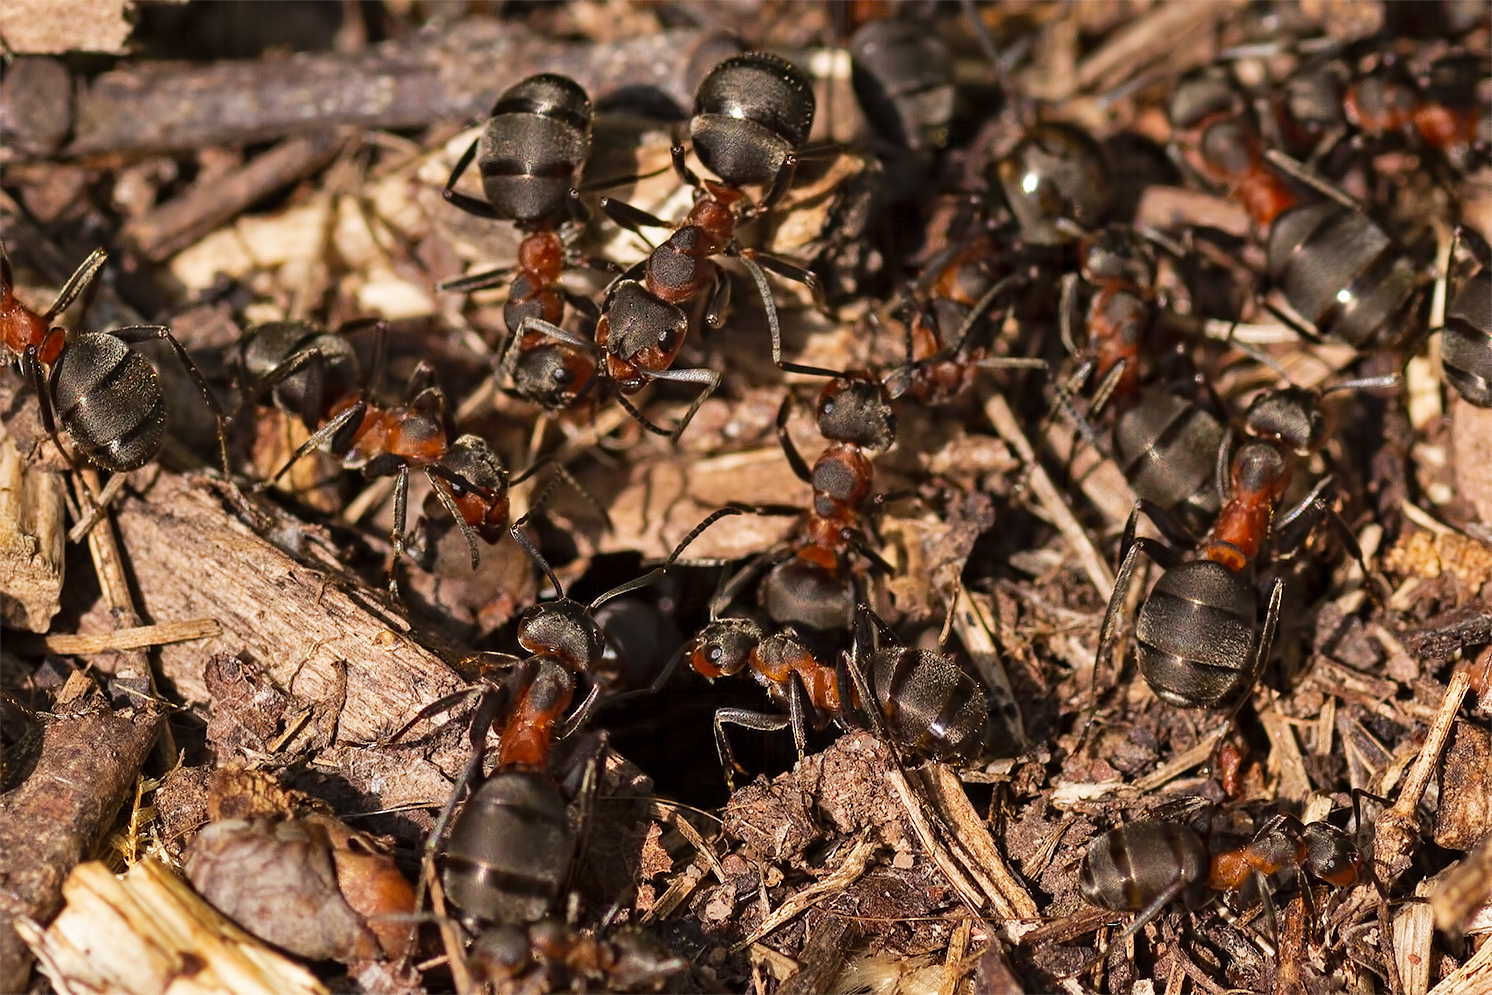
x,y
565,630
473,465
724,647
1331,854
856,408
553,375
1291,415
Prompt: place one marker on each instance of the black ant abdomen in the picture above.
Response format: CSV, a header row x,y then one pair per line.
x,y
1057,171
1196,634
108,397
1127,868
509,850
751,115
932,707
532,146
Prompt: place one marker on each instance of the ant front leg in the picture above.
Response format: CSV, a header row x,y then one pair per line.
x,y
774,326
464,202
475,281
794,458
758,721
708,379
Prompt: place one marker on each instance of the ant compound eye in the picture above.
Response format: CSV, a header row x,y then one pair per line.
x,y
562,377
716,654
667,340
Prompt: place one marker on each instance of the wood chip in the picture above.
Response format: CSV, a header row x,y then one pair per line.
x,y
31,539
134,638
147,934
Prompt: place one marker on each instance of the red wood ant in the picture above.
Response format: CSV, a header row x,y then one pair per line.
x,y
1145,865
808,584
1200,641
530,698
1221,143
313,374
752,113
928,705
106,395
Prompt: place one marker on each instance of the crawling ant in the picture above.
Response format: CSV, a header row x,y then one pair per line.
x,y
1220,141
313,374
1466,339
1200,639
1145,865
752,113
530,154
104,394
808,584
531,699
930,707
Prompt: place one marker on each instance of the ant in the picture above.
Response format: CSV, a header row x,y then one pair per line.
x,y
1199,636
752,113
929,705
1220,142
1466,339
531,701
1334,265
1145,865
530,155
104,394
313,374
807,584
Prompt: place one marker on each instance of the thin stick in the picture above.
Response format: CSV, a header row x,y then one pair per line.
x,y
845,875
114,585
135,638
1051,499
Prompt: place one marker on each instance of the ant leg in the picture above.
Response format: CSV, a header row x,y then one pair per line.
x,y
1258,657
709,379
789,271
798,707
1295,170
634,219
1108,633
641,418
657,572
448,501
81,280
469,204
1169,525
678,154
719,306
396,537
349,417
780,184
475,281
794,458
758,721
775,328
567,726
31,366
561,472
